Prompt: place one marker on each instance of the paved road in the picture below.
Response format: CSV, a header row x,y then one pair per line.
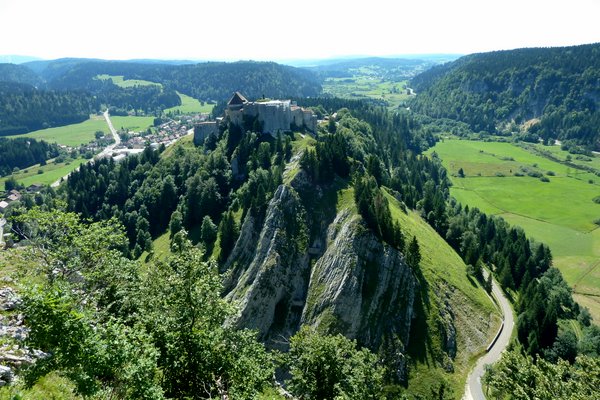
x,y
473,389
104,153
114,133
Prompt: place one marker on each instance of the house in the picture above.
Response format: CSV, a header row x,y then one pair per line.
x,y
36,187
13,196
3,206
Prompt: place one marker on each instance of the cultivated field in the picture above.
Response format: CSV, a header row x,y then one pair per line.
x,y
71,135
560,212
365,86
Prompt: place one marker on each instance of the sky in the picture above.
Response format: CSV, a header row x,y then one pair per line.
x,y
286,29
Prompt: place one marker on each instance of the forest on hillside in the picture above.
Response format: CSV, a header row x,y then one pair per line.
x,y
67,91
110,331
24,108
558,88
23,153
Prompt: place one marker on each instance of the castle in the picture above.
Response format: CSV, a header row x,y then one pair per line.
x,y
270,116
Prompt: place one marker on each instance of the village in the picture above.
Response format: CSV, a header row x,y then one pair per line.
x,y
164,134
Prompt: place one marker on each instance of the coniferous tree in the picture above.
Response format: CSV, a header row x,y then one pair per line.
x,y
228,233
413,253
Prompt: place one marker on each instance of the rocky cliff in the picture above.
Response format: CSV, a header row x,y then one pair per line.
x,y
267,274
360,287
356,285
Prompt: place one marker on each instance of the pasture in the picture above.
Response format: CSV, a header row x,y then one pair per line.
x,y
51,172
126,83
131,123
71,135
190,105
560,212
366,86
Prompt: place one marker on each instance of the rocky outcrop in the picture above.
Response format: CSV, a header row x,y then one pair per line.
x,y
13,353
6,375
8,299
357,285
267,276
360,287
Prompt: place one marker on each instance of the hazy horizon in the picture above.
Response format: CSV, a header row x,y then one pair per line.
x,y
272,30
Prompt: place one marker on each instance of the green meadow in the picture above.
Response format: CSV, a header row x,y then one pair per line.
x,y
560,212
71,135
190,105
126,83
51,172
132,123
366,86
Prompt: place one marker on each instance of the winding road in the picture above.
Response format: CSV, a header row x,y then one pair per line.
x,y
473,388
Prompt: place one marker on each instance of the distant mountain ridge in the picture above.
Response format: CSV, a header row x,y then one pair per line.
x,y
205,81
393,69
73,80
19,74
558,86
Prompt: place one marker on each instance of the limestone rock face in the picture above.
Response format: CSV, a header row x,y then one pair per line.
x,y
360,287
268,274
355,284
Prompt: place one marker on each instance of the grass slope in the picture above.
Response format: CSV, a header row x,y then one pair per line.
x,y
366,86
560,213
190,105
51,172
445,271
71,135
126,83
444,279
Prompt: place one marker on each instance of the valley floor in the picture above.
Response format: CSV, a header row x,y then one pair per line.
x,y
502,179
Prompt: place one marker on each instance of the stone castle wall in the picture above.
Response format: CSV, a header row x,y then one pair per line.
x,y
204,130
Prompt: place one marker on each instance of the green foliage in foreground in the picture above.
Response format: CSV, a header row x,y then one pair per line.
x,y
115,332
331,367
521,377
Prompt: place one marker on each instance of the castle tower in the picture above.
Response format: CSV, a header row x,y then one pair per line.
x,y
235,108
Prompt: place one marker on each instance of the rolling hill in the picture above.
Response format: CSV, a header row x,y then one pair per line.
x,y
551,93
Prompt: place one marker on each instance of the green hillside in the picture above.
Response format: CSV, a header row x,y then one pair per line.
x,y
443,268
555,89
560,212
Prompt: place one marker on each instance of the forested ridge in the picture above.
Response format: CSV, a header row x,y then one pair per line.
x,y
66,91
24,108
560,86
205,81
19,74
24,152
193,194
